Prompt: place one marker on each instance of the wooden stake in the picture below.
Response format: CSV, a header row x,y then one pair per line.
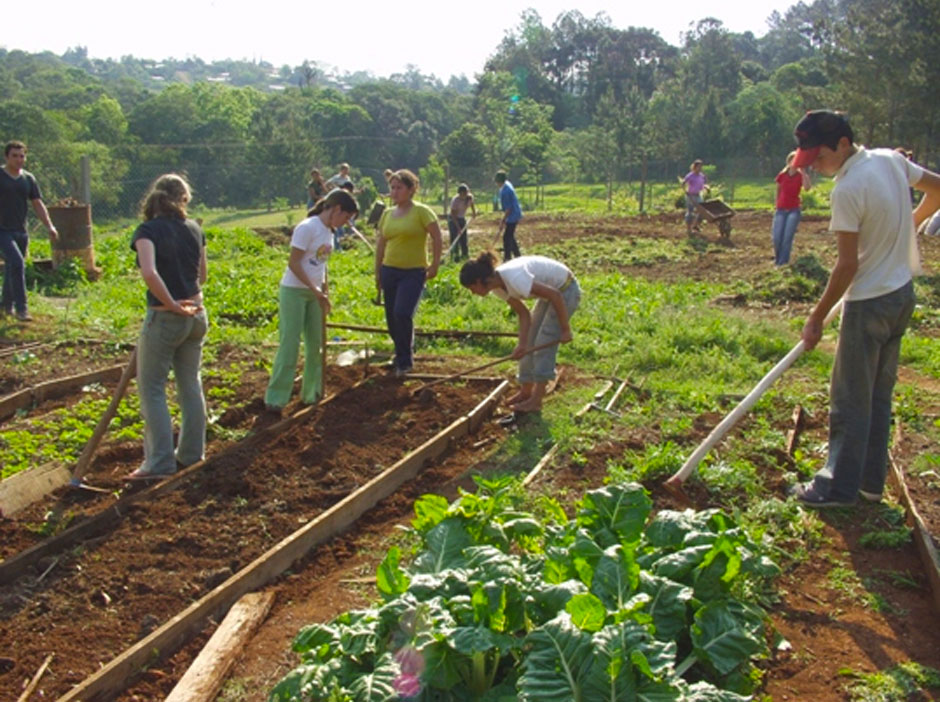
x,y
89,451
35,681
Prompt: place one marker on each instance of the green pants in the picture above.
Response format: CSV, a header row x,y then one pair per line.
x,y
299,316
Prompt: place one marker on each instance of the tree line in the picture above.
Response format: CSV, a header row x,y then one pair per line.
x,y
578,99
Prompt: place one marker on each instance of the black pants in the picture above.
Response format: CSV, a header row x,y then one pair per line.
x,y
510,245
458,227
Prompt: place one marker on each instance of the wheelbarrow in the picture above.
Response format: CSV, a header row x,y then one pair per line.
x,y
716,211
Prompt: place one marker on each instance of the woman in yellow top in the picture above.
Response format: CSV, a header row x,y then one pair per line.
x,y
401,262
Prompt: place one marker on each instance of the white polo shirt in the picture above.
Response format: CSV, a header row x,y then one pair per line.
x,y
871,197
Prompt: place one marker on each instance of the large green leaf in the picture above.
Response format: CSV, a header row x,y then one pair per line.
x,y
615,513
545,601
726,633
379,685
444,546
441,665
625,656
430,510
390,579
668,528
558,661
679,566
668,605
616,577
313,638
587,612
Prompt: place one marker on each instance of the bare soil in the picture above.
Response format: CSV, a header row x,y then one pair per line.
x,y
108,594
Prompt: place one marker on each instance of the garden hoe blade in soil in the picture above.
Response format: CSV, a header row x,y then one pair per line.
x,y
674,484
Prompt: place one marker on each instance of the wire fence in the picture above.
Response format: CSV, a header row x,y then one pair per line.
x,y
225,176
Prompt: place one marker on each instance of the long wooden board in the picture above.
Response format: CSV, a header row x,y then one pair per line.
x,y
205,677
24,488
922,539
9,404
112,678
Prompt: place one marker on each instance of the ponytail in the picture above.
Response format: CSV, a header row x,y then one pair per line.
x,y
167,197
338,196
479,270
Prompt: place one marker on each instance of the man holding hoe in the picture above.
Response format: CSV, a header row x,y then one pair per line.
x,y
877,256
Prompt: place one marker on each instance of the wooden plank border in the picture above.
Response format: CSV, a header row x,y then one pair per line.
x,y
110,680
51,389
922,538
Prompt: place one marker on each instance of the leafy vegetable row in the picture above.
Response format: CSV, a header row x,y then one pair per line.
x,y
501,604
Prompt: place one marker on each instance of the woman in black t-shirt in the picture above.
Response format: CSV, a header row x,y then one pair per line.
x,y
171,255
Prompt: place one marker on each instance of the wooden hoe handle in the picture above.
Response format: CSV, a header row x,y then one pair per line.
x,y
484,366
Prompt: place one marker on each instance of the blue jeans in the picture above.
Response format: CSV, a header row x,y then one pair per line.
x,y
300,315
401,290
167,341
863,377
540,366
785,224
13,248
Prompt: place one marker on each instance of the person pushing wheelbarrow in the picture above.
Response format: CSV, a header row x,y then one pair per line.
x,y
557,296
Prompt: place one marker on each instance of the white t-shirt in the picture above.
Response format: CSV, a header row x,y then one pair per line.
x,y
519,273
315,239
871,197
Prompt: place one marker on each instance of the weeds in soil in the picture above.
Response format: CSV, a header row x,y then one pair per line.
x,y
886,529
899,579
906,682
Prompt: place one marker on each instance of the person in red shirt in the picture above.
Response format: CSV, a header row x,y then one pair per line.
x,y
787,217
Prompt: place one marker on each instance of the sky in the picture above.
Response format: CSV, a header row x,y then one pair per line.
x,y
439,37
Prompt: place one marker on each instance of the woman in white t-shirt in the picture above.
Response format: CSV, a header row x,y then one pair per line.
x,y
304,303
557,296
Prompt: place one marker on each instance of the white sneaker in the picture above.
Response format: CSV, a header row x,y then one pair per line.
x,y
870,496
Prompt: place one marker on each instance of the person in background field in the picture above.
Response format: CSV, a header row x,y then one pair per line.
x,y
512,213
340,179
171,255
787,217
17,187
304,302
557,295
401,265
695,184
877,256
339,232
457,222
316,188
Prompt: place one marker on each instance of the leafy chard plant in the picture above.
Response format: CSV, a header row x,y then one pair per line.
x,y
500,604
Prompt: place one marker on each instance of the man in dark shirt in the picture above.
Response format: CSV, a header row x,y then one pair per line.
x,y
17,186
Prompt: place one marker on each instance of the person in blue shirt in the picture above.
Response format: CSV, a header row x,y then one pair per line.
x,y
512,213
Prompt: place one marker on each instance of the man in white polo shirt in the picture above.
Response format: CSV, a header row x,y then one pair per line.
x,y
877,257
